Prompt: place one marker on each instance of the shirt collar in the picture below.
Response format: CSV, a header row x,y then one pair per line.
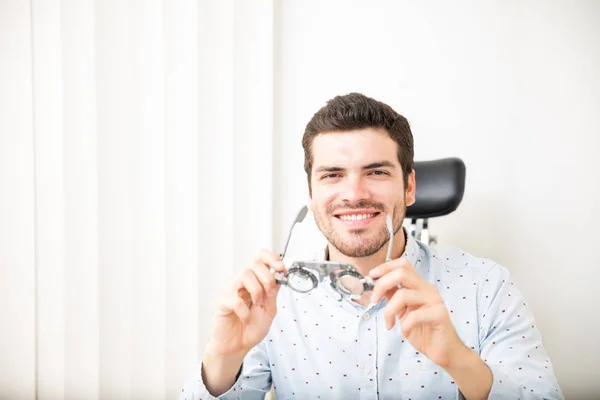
x,y
411,250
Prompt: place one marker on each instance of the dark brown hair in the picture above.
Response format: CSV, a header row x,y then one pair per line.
x,y
356,111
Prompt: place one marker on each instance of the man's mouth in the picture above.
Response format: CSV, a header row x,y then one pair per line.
x,y
356,217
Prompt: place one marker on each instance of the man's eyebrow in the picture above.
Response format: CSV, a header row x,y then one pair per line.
x,y
379,164
325,168
373,165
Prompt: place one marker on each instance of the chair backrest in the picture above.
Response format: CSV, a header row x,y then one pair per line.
x,y
440,187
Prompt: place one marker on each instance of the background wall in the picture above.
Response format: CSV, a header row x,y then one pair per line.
x,y
148,149
513,89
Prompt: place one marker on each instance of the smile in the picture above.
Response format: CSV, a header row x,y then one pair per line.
x,y
356,217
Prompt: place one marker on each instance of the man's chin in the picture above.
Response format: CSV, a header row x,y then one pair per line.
x,y
355,249
357,252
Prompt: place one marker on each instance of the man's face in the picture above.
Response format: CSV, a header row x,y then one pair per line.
x,y
356,181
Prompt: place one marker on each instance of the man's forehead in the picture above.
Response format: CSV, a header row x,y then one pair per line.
x,y
355,148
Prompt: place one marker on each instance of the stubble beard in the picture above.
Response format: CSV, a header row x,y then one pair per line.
x,y
359,243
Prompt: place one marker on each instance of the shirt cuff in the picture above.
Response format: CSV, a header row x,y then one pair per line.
x,y
502,387
195,389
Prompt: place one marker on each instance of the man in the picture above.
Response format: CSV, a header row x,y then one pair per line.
x,y
437,325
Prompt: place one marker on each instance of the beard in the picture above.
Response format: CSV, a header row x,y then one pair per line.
x,y
363,242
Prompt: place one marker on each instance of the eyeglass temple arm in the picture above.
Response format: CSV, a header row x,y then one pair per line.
x,y
299,218
390,227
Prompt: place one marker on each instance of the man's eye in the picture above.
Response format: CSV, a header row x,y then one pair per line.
x,y
330,176
378,172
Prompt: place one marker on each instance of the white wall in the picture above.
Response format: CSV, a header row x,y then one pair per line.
x,y
513,90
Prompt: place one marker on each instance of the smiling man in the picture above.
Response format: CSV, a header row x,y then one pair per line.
x,y
437,324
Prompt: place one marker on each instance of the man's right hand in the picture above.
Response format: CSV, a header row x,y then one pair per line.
x,y
244,316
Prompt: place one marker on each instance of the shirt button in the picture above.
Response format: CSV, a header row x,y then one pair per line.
x,y
366,316
367,370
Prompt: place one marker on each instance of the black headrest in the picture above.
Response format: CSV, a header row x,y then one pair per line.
x,y
440,187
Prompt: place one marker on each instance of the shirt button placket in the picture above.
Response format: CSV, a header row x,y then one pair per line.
x,y
367,355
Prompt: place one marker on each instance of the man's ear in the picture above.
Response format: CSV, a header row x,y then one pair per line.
x,y
411,189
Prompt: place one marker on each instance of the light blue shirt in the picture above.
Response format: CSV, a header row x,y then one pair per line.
x,y
320,347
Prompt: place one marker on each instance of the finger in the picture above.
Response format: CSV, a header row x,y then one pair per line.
x,y
388,295
402,300
390,282
266,279
250,282
271,260
389,266
235,304
420,316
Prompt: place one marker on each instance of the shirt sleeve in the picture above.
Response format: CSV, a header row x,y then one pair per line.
x,y
511,343
253,381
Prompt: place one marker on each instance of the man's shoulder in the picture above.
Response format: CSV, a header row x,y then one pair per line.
x,y
451,259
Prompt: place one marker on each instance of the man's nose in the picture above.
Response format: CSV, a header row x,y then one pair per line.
x,y
354,190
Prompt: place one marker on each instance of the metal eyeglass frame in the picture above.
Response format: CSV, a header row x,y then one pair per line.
x,y
316,271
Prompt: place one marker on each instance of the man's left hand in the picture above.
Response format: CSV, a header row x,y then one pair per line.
x,y
423,316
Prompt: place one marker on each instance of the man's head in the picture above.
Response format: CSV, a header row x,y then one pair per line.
x,y
359,164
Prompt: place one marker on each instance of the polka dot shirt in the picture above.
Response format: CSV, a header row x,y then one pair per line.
x,y
320,347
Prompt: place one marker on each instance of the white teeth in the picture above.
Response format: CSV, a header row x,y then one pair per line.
x,y
356,217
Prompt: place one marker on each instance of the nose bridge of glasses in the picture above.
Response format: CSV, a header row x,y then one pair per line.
x,y
312,267
345,279
322,268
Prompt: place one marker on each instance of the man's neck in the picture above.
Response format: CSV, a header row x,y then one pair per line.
x,y
364,265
